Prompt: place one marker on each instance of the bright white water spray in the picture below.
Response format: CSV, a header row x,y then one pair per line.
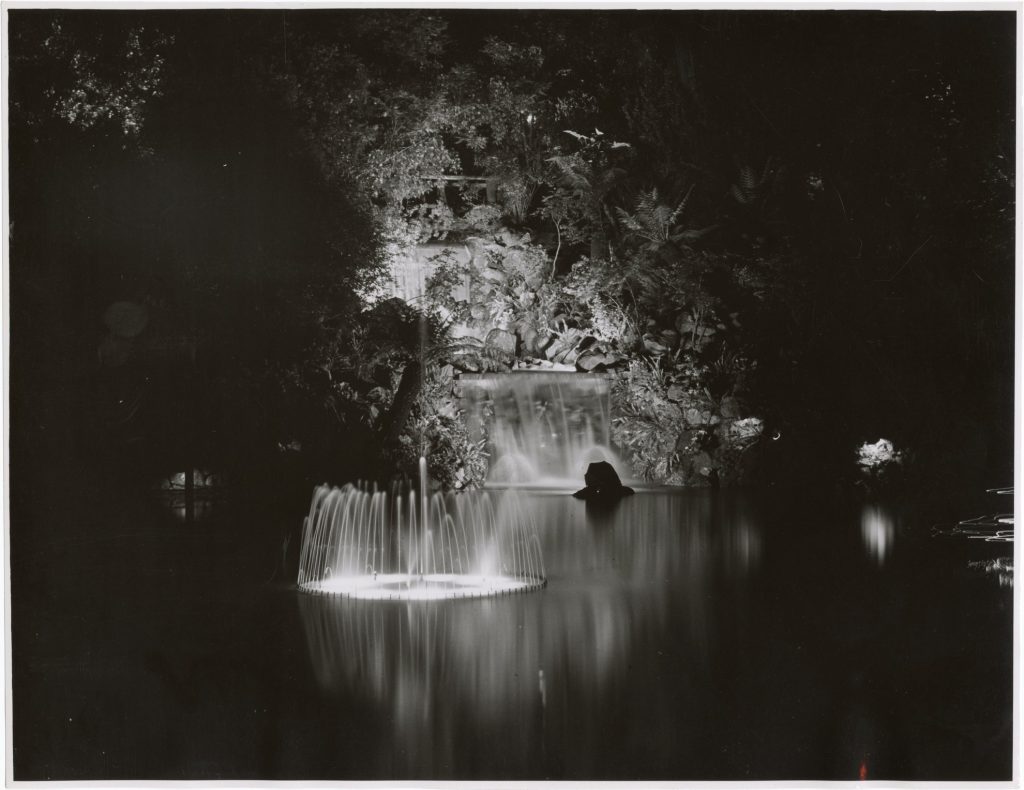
x,y
413,545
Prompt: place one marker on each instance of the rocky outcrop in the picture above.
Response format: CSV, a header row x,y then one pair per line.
x,y
602,482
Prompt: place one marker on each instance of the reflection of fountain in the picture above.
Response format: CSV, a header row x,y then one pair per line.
x,y
381,545
878,530
458,679
542,428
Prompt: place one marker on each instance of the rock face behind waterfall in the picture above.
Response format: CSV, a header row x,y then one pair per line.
x,y
602,483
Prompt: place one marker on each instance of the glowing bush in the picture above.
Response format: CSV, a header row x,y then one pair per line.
x,y
876,457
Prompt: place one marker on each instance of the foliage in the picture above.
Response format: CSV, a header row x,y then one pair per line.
x,y
597,300
504,288
673,427
584,180
658,225
647,423
107,77
438,431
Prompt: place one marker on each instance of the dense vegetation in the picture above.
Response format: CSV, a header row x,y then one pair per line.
x,y
787,234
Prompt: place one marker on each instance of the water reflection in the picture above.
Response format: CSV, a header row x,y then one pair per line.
x,y
1000,569
189,511
878,531
451,673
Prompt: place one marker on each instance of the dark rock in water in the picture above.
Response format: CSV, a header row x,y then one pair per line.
x,y
602,483
601,474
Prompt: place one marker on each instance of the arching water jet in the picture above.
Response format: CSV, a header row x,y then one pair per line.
x,y
413,545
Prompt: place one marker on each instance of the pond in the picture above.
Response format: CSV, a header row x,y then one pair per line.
x,y
689,635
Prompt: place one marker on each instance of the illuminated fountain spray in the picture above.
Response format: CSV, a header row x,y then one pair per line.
x,y
414,545
409,544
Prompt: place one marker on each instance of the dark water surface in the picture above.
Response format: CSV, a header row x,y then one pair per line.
x,y
682,635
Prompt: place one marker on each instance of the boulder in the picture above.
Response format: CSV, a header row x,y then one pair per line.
x,y
569,339
567,356
503,340
669,337
493,275
602,482
467,363
697,416
592,360
529,338
677,393
746,430
535,280
509,239
653,346
554,348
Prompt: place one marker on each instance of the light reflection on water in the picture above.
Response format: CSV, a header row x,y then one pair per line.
x,y
878,531
690,636
617,578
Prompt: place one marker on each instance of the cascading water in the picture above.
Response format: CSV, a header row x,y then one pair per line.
x,y
542,428
413,545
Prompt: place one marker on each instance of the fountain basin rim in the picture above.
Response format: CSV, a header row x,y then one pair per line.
x,y
416,587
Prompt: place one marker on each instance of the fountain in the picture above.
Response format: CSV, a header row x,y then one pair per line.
x,y
413,545
473,675
542,428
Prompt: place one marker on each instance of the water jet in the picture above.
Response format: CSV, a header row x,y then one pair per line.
x,y
409,544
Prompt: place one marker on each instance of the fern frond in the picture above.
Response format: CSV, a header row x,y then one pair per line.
x,y
682,206
629,221
572,173
647,202
748,180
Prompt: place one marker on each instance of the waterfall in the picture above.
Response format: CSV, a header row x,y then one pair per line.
x,y
541,428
